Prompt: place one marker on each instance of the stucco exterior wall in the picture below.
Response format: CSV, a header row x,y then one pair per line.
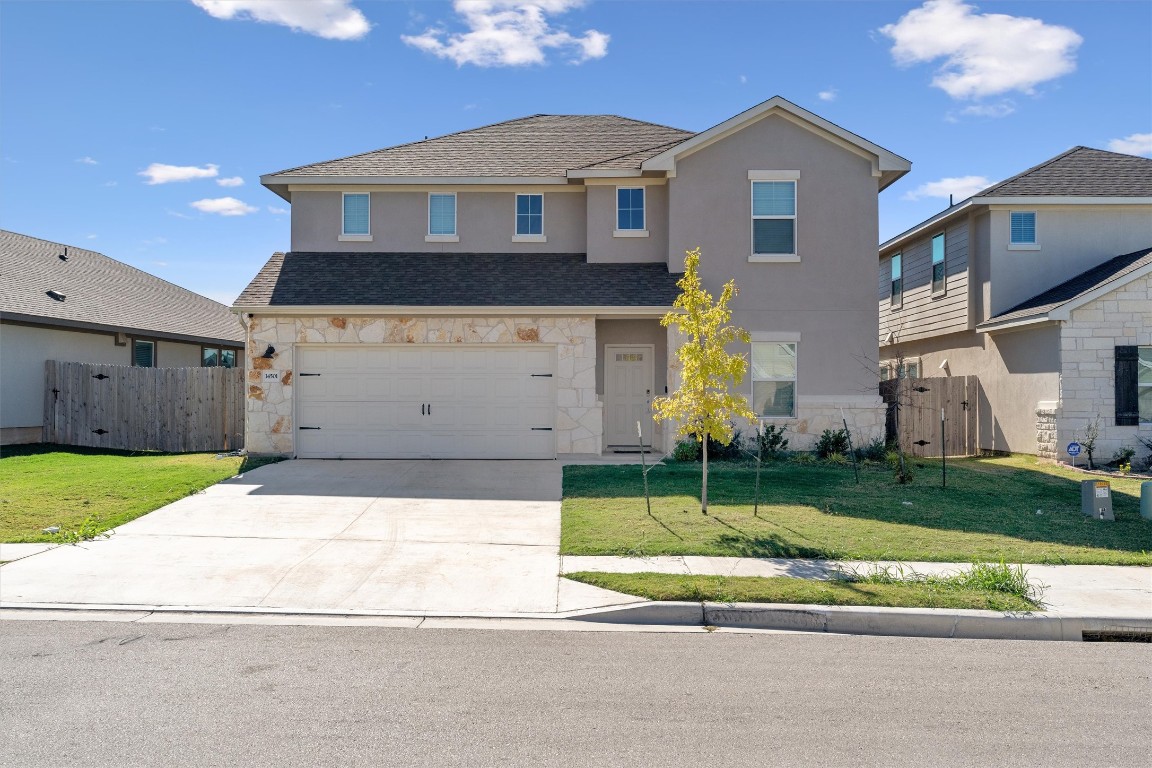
x,y
1072,239
485,222
1088,375
23,350
1017,371
270,409
604,246
635,332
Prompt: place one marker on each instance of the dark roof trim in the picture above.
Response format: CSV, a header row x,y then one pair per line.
x,y
76,325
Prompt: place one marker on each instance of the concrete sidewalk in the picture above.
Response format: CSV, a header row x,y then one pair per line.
x,y
1082,590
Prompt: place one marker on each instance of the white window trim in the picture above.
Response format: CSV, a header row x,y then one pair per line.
x,y
776,338
774,258
455,236
1023,246
896,303
1032,246
943,289
361,237
517,237
630,232
151,344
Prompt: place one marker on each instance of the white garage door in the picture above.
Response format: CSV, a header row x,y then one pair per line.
x,y
425,401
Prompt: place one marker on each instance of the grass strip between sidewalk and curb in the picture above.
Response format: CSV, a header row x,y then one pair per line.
x,y
789,590
87,491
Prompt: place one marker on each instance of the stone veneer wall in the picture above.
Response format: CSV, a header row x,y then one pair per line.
x,y
579,419
1046,437
1088,366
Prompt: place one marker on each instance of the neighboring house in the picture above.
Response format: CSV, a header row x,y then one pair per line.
x,y
497,293
1039,286
59,302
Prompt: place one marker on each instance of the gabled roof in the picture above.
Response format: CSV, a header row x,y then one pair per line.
x,y
887,165
1055,303
1080,172
308,279
103,293
535,146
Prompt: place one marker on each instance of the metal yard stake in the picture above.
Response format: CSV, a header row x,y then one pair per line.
x,y
644,468
851,450
759,460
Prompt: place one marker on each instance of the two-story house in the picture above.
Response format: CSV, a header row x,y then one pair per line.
x,y
497,293
1039,286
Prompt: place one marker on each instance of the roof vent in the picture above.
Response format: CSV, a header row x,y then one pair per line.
x,y
64,256
55,295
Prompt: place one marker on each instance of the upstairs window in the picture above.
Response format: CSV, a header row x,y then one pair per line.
x,y
896,280
630,208
441,214
356,208
529,214
774,217
938,243
1023,227
144,353
774,378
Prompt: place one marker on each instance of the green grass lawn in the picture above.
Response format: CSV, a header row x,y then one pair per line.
x,y
46,485
988,512
782,589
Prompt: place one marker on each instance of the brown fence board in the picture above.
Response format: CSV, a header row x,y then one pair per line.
x,y
143,409
914,407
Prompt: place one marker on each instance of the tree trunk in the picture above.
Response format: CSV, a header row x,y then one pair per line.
x,y
704,480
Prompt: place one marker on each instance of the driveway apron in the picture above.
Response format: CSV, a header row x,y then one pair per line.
x,y
459,537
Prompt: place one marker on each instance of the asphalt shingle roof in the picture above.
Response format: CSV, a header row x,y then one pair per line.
x,y
456,279
535,146
1083,283
100,291
1080,172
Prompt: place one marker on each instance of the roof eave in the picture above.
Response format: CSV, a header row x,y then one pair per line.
x,y
993,326
83,325
450,310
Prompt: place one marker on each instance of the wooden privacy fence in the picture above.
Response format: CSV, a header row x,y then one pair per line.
x,y
144,409
916,404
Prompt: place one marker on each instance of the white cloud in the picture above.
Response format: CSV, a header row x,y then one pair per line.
x,y
1000,109
110,184
87,160
177,214
960,187
91,237
159,173
224,206
1135,144
984,53
231,181
509,33
330,19
159,263
743,79
828,95
155,241
277,211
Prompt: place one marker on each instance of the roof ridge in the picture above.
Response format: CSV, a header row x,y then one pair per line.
x,y
642,122
411,143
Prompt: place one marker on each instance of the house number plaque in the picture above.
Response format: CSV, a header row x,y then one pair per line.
x,y
271,377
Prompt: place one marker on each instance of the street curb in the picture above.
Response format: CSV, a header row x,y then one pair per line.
x,y
860,620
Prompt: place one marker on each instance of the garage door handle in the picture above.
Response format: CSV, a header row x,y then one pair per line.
x,y
541,429
422,406
308,427
542,375
309,374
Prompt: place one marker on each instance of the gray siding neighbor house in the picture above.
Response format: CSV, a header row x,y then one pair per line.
x,y
59,302
1039,286
496,293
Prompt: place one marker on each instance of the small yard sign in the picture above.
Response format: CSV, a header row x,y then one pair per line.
x,y
271,377
1073,449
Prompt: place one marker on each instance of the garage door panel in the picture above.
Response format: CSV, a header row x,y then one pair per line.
x,y
427,401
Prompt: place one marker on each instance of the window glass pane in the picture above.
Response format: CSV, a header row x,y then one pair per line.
x,y
143,354
529,214
773,198
536,204
1144,366
228,358
442,214
521,204
896,267
937,277
773,361
1145,398
355,214
630,208
774,398
210,357
938,249
1023,227
773,236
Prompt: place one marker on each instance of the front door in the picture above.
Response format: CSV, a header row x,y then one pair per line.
x,y
628,382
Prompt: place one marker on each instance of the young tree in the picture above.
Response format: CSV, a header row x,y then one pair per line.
x,y
702,405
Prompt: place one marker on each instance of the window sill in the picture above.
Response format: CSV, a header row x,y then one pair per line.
x,y
939,294
629,233
355,238
774,258
441,238
529,238
1023,246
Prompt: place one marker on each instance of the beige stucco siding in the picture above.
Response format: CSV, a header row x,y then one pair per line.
x,y
485,222
922,313
1072,239
23,350
605,246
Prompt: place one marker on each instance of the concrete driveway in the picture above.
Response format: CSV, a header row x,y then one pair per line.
x,y
456,537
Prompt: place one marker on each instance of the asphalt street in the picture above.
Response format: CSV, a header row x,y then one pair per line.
x,y
126,694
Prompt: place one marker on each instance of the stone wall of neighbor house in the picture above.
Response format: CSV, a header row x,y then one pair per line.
x,y
579,419
1046,437
1088,344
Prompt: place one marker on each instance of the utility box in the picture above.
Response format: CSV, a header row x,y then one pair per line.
x,y
1146,499
1096,499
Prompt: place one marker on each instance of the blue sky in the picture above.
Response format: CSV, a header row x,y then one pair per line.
x,y
140,129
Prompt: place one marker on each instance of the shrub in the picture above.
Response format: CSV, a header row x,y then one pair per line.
x,y
772,440
832,441
1123,456
876,450
838,459
804,458
687,449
